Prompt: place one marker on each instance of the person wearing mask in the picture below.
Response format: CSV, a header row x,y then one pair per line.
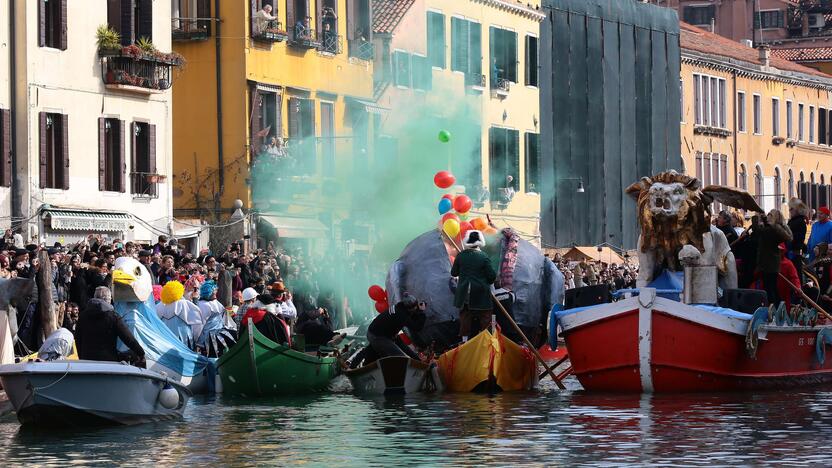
x,y
99,328
475,276
723,223
285,306
770,232
797,224
385,328
821,231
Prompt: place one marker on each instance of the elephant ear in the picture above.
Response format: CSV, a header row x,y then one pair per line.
x,y
733,197
636,188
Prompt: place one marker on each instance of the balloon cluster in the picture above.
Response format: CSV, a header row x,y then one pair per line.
x,y
454,210
379,295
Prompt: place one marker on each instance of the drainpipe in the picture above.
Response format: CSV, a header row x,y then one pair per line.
x,y
17,209
736,125
217,52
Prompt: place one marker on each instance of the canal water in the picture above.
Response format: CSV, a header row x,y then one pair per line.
x,y
541,428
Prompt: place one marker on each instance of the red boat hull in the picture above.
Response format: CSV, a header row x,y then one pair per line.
x,y
651,344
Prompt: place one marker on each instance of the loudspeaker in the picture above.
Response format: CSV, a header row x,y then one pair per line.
x,y
743,300
587,296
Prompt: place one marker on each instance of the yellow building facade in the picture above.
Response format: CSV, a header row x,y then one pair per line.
x,y
472,65
754,122
268,82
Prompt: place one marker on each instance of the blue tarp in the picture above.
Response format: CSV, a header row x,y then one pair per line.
x,y
159,342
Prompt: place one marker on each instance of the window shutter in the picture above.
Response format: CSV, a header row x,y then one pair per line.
x,y
308,121
511,62
102,154
514,157
294,113
128,9
252,11
43,149
351,19
122,160
145,19
319,18
256,118
6,148
475,48
65,149
63,22
151,157
41,23
114,14
290,16
134,167
203,10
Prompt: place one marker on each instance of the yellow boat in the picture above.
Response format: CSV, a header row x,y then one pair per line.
x,y
488,362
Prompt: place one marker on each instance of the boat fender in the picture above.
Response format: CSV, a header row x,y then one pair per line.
x,y
169,397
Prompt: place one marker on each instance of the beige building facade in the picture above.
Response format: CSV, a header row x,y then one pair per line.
x,y
91,126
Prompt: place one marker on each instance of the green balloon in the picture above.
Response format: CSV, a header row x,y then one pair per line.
x,y
444,136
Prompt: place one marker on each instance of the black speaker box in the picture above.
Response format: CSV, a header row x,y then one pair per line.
x,y
587,296
743,300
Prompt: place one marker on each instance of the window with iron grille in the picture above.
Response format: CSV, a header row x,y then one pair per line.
x,y
503,160
503,57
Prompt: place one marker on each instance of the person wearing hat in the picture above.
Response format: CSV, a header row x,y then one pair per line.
x,y
821,231
249,295
285,306
475,275
797,224
263,314
771,231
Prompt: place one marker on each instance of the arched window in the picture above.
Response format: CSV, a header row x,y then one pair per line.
x,y
778,187
743,177
758,185
791,184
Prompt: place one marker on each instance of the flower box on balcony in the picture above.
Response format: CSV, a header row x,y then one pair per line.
x,y
132,69
712,131
778,140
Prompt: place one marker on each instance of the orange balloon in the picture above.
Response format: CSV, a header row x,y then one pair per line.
x,y
479,224
490,231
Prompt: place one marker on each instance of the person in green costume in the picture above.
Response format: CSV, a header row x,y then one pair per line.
x,y
475,275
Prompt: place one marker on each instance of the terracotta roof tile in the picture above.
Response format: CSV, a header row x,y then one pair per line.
x,y
388,13
804,54
699,40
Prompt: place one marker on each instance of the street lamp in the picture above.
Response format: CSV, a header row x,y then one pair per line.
x,y
580,183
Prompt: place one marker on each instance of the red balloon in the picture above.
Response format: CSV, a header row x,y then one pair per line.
x,y
448,216
382,306
377,293
444,179
464,227
449,197
462,204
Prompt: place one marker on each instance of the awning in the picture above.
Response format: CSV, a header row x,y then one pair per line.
x,y
92,221
187,229
370,107
296,228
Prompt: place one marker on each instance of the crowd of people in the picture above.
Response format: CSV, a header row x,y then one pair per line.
x,y
589,273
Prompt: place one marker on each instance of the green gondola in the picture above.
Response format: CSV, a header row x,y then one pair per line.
x,y
258,366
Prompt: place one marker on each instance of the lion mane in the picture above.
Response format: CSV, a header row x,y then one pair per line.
x,y
668,234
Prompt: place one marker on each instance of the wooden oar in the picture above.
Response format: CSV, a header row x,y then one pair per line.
x,y
516,327
806,297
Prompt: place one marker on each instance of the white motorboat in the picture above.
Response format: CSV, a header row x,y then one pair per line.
x,y
394,374
77,393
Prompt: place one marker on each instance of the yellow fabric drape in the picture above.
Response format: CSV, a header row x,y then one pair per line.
x,y
466,366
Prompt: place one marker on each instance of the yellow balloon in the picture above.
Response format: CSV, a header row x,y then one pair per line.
x,y
451,227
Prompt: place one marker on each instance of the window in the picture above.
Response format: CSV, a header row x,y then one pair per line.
x,y
503,56
266,119
758,124
821,126
769,19
741,111
401,68
328,33
758,185
743,178
359,28
778,186
791,184
789,123
775,116
700,15
421,73
466,49
54,150
302,134
801,123
811,124
467,163
190,18
710,101
133,19
532,162
436,39
5,148
531,60
111,163
328,138
143,160
52,23
503,160
360,122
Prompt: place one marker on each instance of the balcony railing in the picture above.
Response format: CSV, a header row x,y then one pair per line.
x,y
130,68
331,43
304,38
270,31
362,49
145,184
190,29
475,80
500,86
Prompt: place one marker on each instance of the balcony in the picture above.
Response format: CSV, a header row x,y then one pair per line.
x,y
304,38
270,31
190,29
500,87
145,184
131,69
361,49
475,81
331,43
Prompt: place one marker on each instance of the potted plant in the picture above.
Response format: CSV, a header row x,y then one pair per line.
x,y
146,46
164,84
108,40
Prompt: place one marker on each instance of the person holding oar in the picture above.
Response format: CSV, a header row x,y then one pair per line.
x,y
473,292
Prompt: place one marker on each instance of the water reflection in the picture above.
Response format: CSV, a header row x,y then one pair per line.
x,y
545,427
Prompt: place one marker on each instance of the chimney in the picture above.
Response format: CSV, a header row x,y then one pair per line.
x,y
764,55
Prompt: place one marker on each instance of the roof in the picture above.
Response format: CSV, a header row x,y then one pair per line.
x,y
804,54
699,40
606,255
387,14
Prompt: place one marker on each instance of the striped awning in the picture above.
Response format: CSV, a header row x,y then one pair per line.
x,y
295,227
92,221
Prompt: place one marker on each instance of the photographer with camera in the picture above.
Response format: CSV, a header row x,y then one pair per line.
x,y
770,231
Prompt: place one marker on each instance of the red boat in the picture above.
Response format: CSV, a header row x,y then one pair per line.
x,y
652,344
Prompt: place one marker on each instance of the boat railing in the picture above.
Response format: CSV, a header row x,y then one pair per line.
x,y
622,293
